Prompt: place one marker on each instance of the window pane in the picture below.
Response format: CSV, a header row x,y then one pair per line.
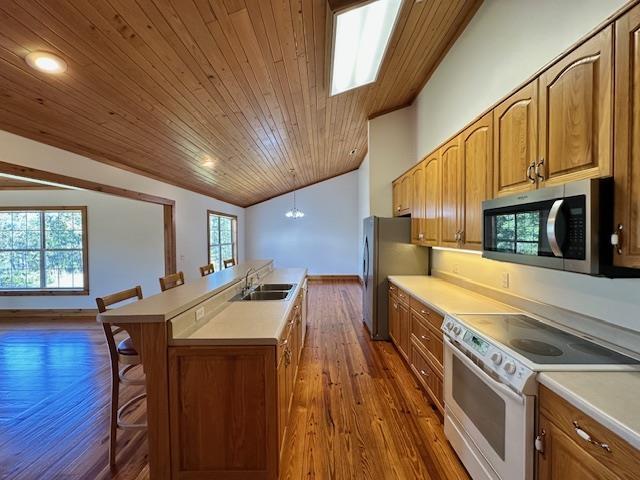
x,y
214,238
64,269
227,252
528,226
214,255
505,227
19,270
225,230
60,231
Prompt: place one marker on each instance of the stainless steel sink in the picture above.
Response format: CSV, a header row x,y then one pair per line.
x,y
270,287
265,295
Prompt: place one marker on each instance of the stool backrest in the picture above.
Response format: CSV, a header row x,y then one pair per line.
x,y
171,281
230,262
109,331
208,269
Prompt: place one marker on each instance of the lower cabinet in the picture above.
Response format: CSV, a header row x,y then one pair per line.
x,y
230,405
567,453
414,328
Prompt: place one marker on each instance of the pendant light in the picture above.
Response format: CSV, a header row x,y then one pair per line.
x,y
294,212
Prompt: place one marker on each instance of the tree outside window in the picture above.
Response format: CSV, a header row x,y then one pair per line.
x,y
222,238
43,249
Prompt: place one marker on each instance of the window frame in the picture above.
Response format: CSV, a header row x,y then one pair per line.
x,y
234,235
85,256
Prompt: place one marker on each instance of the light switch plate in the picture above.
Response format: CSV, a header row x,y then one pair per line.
x,y
200,313
505,279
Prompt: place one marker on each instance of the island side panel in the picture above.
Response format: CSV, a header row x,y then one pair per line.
x,y
223,412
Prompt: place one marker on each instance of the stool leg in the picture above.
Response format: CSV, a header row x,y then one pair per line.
x,y
113,425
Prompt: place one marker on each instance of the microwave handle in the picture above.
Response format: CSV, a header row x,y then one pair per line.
x,y
552,227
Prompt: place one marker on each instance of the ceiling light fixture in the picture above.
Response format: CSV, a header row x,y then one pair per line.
x,y
41,182
46,62
360,38
294,212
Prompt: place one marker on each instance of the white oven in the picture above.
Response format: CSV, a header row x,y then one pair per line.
x,y
490,426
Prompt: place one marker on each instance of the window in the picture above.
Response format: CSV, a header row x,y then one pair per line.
x,y
223,238
43,249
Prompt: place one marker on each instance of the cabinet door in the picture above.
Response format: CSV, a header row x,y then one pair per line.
x,y
405,329
450,211
406,194
394,320
417,205
477,162
396,198
432,182
576,114
627,140
515,127
563,459
282,400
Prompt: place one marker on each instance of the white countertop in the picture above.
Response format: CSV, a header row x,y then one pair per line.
x,y
248,322
610,398
166,305
445,297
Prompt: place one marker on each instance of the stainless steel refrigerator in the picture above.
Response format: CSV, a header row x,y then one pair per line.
x,y
387,250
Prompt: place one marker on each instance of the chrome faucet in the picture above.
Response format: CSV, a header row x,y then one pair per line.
x,y
247,286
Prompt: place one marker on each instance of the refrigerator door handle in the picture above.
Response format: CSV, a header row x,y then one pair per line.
x,y
365,263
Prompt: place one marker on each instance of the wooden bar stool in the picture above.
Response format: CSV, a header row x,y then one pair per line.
x,y
171,281
124,353
230,262
207,270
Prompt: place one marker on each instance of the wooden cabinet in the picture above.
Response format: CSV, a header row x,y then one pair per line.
x,y
281,375
477,166
427,376
627,141
397,202
431,208
394,319
566,453
576,115
450,211
405,328
515,122
417,204
402,195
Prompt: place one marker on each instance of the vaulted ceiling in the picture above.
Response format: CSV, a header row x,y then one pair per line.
x,y
219,97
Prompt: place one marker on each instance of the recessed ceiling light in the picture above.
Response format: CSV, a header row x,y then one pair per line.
x,y
360,38
46,62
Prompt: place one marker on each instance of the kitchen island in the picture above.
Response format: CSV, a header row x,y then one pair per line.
x,y
220,371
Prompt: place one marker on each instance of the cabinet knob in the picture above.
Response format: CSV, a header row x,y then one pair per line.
x,y
424,337
425,374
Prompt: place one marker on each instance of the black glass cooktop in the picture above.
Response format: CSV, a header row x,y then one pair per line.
x,y
542,343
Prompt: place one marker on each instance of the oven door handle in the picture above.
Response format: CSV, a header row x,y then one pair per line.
x,y
482,375
552,227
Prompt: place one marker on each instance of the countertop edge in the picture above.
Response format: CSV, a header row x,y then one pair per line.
x,y
623,431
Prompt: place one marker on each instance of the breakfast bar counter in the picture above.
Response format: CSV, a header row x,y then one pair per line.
x,y
219,370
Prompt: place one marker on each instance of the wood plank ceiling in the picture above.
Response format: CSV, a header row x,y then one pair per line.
x,y
219,97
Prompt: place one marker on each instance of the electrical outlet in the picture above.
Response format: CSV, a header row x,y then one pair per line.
x,y
456,268
505,279
200,313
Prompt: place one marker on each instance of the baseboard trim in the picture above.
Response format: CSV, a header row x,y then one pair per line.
x,y
50,313
334,278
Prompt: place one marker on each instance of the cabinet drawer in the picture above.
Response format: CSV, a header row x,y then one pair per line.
x,y
403,297
622,459
430,338
285,337
427,376
393,290
430,315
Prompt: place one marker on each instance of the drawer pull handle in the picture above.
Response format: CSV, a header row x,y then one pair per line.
x,y
587,438
425,312
426,374
424,337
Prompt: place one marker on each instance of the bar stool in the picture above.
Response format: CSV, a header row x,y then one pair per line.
x,y
122,354
171,281
207,270
230,262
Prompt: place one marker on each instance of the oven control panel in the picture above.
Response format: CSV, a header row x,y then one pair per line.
x,y
488,355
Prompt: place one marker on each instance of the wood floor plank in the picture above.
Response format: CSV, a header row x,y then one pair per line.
x,y
357,412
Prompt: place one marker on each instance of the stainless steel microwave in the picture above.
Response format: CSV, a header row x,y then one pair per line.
x,y
566,227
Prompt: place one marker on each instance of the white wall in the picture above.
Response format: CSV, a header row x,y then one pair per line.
x,y
391,152
325,240
126,244
364,196
191,224
505,43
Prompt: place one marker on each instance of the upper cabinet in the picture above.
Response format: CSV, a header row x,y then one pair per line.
x,y
397,203
627,141
477,164
432,200
450,207
576,114
417,204
515,141
402,195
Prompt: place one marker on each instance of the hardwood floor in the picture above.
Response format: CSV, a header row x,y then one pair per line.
x,y
357,414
